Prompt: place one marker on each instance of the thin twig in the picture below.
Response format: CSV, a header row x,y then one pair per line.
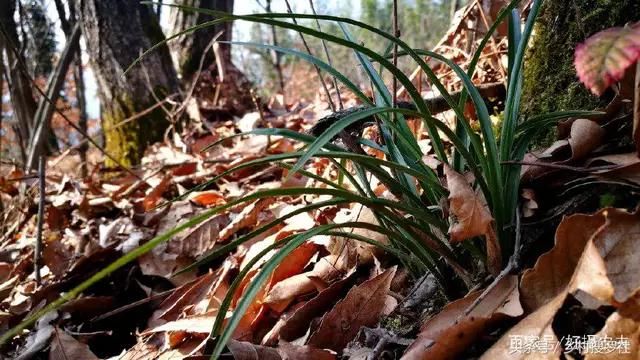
x,y
196,77
38,247
563,167
256,102
306,46
134,304
326,52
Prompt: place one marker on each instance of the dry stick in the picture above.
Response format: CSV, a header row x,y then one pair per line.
x,y
44,112
198,73
326,52
256,102
306,46
564,167
160,295
23,68
38,248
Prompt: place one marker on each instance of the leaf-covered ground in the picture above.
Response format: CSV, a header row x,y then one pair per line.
x,y
572,290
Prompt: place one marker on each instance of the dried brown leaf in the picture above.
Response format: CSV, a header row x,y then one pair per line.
x,y
586,136
292,265
242,350
297,325
450,332
247,217
537,325
65,347
618,242
554,269
362,306
472,217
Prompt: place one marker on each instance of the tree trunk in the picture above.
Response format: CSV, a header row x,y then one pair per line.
x,y
551,83
187,50
22,100
221,84
117,32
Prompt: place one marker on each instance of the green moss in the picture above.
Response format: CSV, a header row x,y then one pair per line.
x,y
550,82
128,141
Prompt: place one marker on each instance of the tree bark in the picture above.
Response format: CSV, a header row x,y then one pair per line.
x,y
117,32
220,84
188,49
24,104
550,80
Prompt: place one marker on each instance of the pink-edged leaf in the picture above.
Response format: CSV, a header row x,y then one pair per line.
x,y
603,58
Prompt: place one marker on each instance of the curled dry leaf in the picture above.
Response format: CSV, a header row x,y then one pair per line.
x,y
618,244
293,352
287,289
200,324
450,332
554,269
586,136
538,325
625,166
603,58
191,293
472,217
362,306
292,265
242,350
603,275
605,239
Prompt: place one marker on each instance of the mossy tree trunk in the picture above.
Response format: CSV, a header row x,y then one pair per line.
x,y
550,80
116,33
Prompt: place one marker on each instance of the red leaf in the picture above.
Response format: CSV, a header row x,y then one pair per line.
x,y
603,58
207,198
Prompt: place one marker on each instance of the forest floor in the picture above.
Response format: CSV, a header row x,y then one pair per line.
x,y
326,297
570,290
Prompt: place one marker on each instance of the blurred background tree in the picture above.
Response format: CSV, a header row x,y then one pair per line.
x,y
35,32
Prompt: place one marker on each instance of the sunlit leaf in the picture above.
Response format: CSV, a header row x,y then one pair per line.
x,y
603,58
